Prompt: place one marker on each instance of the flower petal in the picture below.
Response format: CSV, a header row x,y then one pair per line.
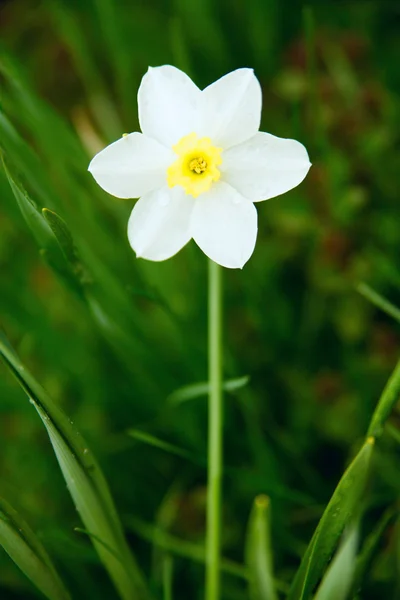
x,y
224,226
159,223
131,166
232,108
168,104
265,166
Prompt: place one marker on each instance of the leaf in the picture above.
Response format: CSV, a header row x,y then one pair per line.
x,y
387,401
167,577
259,557
189,550
85,482
338,578
379,301
28,553
368,550
66,243
343,505
147,438
35,221
196,390
52,250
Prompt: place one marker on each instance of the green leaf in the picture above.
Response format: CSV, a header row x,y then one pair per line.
x,y
188,550
54,247
147,438
259,558
66,243
85,482
28,553
196,390
379,301
369,548
167,577
35,221
387,401
338,578
341,508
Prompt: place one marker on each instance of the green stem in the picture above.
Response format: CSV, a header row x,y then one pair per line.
x,y
215,428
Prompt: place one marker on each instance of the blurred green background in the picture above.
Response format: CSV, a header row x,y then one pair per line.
x,y
317,351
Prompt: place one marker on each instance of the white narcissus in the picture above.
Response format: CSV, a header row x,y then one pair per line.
x,y
199,166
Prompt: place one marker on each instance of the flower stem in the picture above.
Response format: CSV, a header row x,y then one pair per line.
x,y
215,430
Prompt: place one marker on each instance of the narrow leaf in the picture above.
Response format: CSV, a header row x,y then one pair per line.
x,y
387,401
85,482
65,241
259,558
35,221
343,505
338,578
379,301
28,553
368,550
196,390
167,577
189,550
52,251
147,438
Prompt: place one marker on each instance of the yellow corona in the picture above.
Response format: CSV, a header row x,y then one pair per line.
x,y
196,166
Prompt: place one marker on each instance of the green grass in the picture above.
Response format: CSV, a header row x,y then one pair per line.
x,y
120,345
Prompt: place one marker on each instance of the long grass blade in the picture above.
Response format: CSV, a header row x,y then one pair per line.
x,y
85,482
259,557
28,553
342,508
338,578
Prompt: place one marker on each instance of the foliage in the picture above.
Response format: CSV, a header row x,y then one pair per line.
x,y
119,344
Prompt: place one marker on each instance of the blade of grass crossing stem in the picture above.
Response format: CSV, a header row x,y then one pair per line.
x,y
259,551
387,401
197,390
342,507
85,482
189,550
28,553
338,578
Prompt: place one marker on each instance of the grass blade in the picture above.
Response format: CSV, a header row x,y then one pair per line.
x,y
378,301
259,551
339,576
196,390
28,553
341,508
370,546
387,401
151,440
85,482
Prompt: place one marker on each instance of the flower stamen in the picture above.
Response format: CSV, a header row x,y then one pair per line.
x,y
198,165
195,169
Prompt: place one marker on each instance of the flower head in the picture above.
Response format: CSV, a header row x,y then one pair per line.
x,y
199,166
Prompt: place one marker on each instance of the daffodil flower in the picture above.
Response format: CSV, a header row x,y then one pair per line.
x,y
198,166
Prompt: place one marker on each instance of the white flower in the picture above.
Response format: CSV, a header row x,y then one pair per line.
x,y
198,166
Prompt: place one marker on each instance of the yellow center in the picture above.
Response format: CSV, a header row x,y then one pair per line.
x,y
196,166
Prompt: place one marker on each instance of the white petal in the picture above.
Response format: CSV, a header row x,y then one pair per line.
x,y
159,223
232,108
168,104
265,166
132,166
224,226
